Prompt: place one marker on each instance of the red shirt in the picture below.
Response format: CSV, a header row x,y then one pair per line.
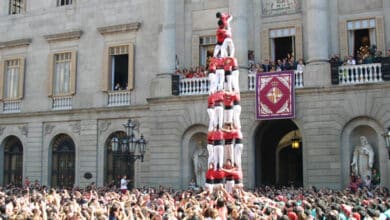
x,y
220,63
228,135
237,174
236,99
228,64
210,102
217,135
210,174
219,174
221,35
228,99
237,134
212,65
218,96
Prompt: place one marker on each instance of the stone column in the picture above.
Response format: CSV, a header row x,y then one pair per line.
x,y
317,71
239,25
161,84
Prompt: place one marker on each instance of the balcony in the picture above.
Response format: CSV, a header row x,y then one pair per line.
x,y
12,106
194,86
62,103
360,74
298,80
118,98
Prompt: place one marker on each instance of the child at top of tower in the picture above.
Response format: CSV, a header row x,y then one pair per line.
x,y
225,18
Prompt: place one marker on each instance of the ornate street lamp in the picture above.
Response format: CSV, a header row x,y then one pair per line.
x,y
129,146
295,141
386,135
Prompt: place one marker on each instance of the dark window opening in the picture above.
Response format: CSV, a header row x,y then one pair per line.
x,y
283,47
63,162
120,68
362,43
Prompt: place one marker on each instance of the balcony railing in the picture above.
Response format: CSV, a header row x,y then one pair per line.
x,y
194,86
119,98
298,80
360,74
12,106
62,103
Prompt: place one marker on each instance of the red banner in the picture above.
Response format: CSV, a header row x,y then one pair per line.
x,y
275,95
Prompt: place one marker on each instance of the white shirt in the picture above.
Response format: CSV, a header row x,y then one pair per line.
x,y
123,183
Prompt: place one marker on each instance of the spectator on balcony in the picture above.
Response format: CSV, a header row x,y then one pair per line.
x,y
266,65
300,66
335,60
117,86
351,60
252,69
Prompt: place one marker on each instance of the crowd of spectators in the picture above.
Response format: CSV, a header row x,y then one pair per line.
x,y
365,55
287,63
193,72
40,202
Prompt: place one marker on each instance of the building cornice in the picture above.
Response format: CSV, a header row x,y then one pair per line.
x,y
113,29
16,43
72,35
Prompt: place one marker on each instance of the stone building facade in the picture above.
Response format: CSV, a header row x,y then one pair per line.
x,y
42,120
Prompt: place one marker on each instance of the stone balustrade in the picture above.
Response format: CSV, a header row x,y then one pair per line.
x,y
119,98
62,103
12,106
194,86
298,80
360,74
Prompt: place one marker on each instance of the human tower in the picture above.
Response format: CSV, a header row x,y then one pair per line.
x,y
224,109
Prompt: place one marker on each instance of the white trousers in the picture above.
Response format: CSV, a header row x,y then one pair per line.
x,y
229,186
227,45
220,78
237,154
235,80
236,116
212,83
228,152
218,156
218,50
211,113
210,149
218,116
228,115
228,82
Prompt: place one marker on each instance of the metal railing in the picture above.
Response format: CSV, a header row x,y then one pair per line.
x,y
12,106
62,103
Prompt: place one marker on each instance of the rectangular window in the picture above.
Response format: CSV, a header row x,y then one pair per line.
x,y
12,78
119,68
16,7
206,49
62,73
64,2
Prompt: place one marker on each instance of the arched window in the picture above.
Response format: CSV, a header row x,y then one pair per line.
x,y
117,164
13,161
63,161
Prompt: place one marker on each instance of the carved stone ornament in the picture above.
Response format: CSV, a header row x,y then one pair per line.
x,y
103,126
23,129
49,128
76,127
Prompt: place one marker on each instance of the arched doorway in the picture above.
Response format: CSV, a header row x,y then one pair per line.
x,y
63,162
276,161
117,164
13,161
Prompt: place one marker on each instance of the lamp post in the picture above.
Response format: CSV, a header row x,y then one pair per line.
x,y
129,148
386,135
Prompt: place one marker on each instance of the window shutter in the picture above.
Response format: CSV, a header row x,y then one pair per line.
x,y
51,72
73,72
380,39
195,50
343,38
1,79
265,44
106,69
22,61
130,72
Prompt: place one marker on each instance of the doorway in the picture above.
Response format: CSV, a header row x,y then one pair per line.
x,y
276,162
